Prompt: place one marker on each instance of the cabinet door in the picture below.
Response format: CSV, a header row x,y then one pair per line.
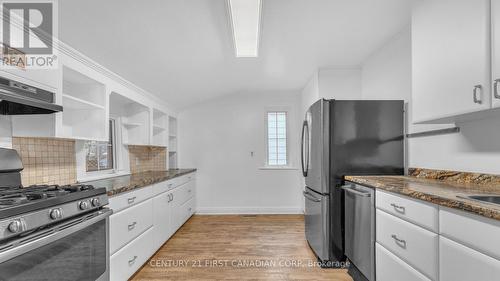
x,y
162,218
460,263
495,50
450,58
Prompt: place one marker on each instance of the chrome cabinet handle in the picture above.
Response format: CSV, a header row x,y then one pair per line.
x,y
475,92
495,89
131,200
132,261
400,242
132,225
399,209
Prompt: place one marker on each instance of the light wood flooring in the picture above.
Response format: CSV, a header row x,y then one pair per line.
x,y
267,247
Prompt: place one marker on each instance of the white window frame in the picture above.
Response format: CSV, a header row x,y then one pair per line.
x,y
268,110
118,166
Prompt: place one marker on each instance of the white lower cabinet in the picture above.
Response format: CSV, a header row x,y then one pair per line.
x,y
460,263
127,225
145,219
130,258
162,217
465,246
391,268
416,246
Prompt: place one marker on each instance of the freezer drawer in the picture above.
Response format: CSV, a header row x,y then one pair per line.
x,y
316,223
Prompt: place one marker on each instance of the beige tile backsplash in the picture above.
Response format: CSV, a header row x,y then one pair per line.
x,y
147,158
46,160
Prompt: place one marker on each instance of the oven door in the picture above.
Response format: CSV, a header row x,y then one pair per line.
x,y
77,249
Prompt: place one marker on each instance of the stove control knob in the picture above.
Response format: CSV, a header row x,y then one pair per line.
x,y
15,226
95,202
84,205
56,214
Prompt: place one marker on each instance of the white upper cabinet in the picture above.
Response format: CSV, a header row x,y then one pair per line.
x,y
495,51
450,58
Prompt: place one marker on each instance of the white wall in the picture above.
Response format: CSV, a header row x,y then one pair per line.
x,y
342,83
386,74
5,132
218,137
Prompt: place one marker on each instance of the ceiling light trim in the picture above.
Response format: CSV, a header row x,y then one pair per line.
x,y
239,53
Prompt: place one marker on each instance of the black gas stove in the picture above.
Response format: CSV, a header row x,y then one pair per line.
x,y
28,208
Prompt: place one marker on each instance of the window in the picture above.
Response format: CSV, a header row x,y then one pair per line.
x,y
277,138
101,155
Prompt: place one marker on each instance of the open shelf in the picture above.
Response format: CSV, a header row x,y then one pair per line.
x,y
84,103
130,125
134,119
160,128
79,104
172,142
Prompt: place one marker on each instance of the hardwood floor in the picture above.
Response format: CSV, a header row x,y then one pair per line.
x,y
267,247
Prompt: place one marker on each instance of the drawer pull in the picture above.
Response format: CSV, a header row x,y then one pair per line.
x,y
131,200
169,185
132,261
401,243
189,191
189,210
399,209
132,225
475,97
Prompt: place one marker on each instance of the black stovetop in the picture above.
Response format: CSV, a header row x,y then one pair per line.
x,y
15,200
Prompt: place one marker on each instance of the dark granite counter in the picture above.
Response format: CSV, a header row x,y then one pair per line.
x,y
445,188
121,184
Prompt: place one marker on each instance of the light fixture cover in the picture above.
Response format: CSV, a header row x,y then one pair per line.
x,y
244,17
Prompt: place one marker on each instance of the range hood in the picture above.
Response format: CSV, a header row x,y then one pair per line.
x,y
21,99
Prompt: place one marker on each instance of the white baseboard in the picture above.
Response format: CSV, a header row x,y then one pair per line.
x,y
249,210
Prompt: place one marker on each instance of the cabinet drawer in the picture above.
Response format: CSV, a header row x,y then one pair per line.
x,y
127,225
415,211
129,259
392,268
474,231
184,212
183,193
460,263
171,184
416,246
122,201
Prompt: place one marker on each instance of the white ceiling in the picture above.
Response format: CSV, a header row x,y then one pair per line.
x,y
182,50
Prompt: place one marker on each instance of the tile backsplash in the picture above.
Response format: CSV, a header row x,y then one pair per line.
x,y
147,158
46,160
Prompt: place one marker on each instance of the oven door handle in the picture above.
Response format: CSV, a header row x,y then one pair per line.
x,y
47,236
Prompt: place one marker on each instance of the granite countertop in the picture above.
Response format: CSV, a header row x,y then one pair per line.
x,y
122,184
441,187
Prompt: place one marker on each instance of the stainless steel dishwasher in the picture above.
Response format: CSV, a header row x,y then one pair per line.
x,y
360,230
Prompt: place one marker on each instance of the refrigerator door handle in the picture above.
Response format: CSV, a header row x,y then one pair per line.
x,y
311,197
305,165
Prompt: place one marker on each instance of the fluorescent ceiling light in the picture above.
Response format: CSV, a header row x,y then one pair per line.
x,y
244,16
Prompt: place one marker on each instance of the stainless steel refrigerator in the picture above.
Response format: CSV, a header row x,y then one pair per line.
x,y
345,137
